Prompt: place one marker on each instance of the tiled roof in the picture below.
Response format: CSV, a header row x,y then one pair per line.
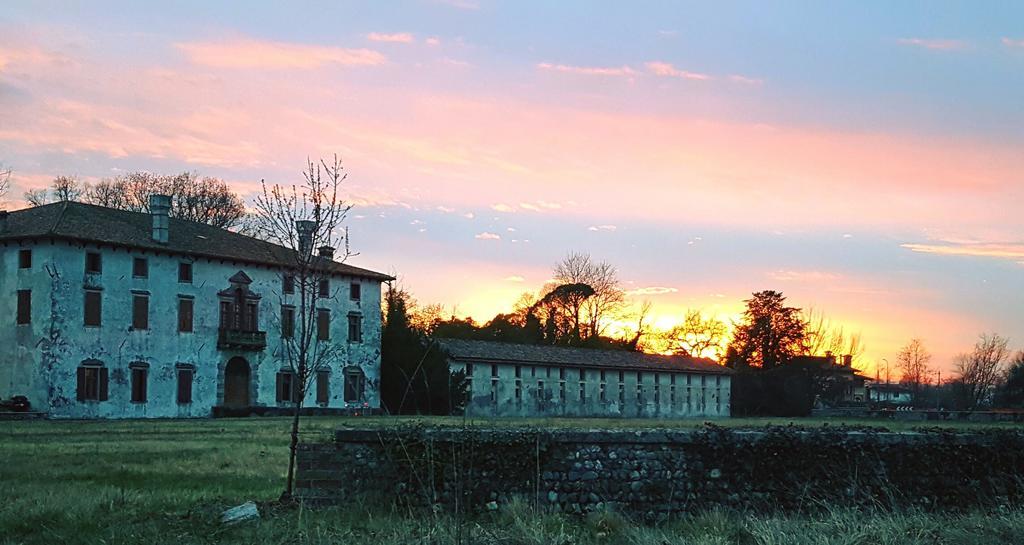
x,y
497,352
98,224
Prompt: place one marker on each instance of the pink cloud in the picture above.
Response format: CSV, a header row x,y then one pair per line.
x,y
1010,42
488,236
936,45
978,249
621,71
249,53
665,69
399,37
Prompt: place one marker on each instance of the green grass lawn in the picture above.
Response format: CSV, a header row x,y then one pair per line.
x,y
168,481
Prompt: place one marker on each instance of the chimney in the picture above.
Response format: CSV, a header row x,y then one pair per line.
x,y
3,221
848,360
327,252
159,208
305,230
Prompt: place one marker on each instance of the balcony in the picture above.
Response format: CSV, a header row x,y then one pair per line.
x,y
235,339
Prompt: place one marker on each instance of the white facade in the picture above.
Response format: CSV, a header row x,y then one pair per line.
x,y
41,359
529,390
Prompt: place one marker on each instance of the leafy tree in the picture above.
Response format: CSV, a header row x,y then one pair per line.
x,y
769,335
415,375
1011,392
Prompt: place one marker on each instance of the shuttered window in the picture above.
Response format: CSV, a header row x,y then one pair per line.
x,y
287,322
140,267
185,273
140,311
93,308
24,307
323,324
355,328
140,379
24,259
93,263
287,387
323,385
185,375
92,382
185,307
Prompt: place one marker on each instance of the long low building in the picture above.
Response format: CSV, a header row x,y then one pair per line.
x,y
508,379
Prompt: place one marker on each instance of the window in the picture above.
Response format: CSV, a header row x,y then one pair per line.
x,y
226,316
583,392
24,307
185,273
185,307
355,382
140,267
287,322
185,376
324,288
252,321
140,311
93,308
355,328
93,263
287,387
140,372
323,324
24,259
288,284
323,385
92,381
355,291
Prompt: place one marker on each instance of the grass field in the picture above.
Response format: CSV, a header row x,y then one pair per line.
x,y
168,481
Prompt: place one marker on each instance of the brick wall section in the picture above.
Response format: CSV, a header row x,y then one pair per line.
x,y
654,473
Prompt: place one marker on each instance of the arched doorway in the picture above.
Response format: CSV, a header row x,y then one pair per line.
x,y
236,383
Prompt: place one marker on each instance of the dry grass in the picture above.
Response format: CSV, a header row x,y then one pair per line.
x,y
167,481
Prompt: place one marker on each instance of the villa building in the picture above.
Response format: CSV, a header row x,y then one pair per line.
x,y
107,313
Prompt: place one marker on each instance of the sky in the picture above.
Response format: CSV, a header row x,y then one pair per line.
x,y
864,158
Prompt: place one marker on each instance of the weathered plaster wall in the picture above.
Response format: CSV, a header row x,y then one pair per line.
x,y
655,473
540,392
40,360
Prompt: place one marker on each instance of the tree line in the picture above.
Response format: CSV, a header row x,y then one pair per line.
x,y
202,199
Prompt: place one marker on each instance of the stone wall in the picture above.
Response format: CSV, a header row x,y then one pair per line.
x,y
654,473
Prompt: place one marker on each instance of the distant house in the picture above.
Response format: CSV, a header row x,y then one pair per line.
x,y
531,380
891,394
845,386
107,313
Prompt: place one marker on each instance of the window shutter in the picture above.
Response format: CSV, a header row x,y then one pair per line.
x,y
81,383
103,383
296,389
280,386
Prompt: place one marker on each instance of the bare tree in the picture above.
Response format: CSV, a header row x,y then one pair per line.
x,y
67,188
200,199
5,180
608,299
697,336
62,189
980,371
822,336
37,197
301,218
913,361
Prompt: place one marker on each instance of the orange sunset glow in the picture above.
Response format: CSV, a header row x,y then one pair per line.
x,y
871,172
